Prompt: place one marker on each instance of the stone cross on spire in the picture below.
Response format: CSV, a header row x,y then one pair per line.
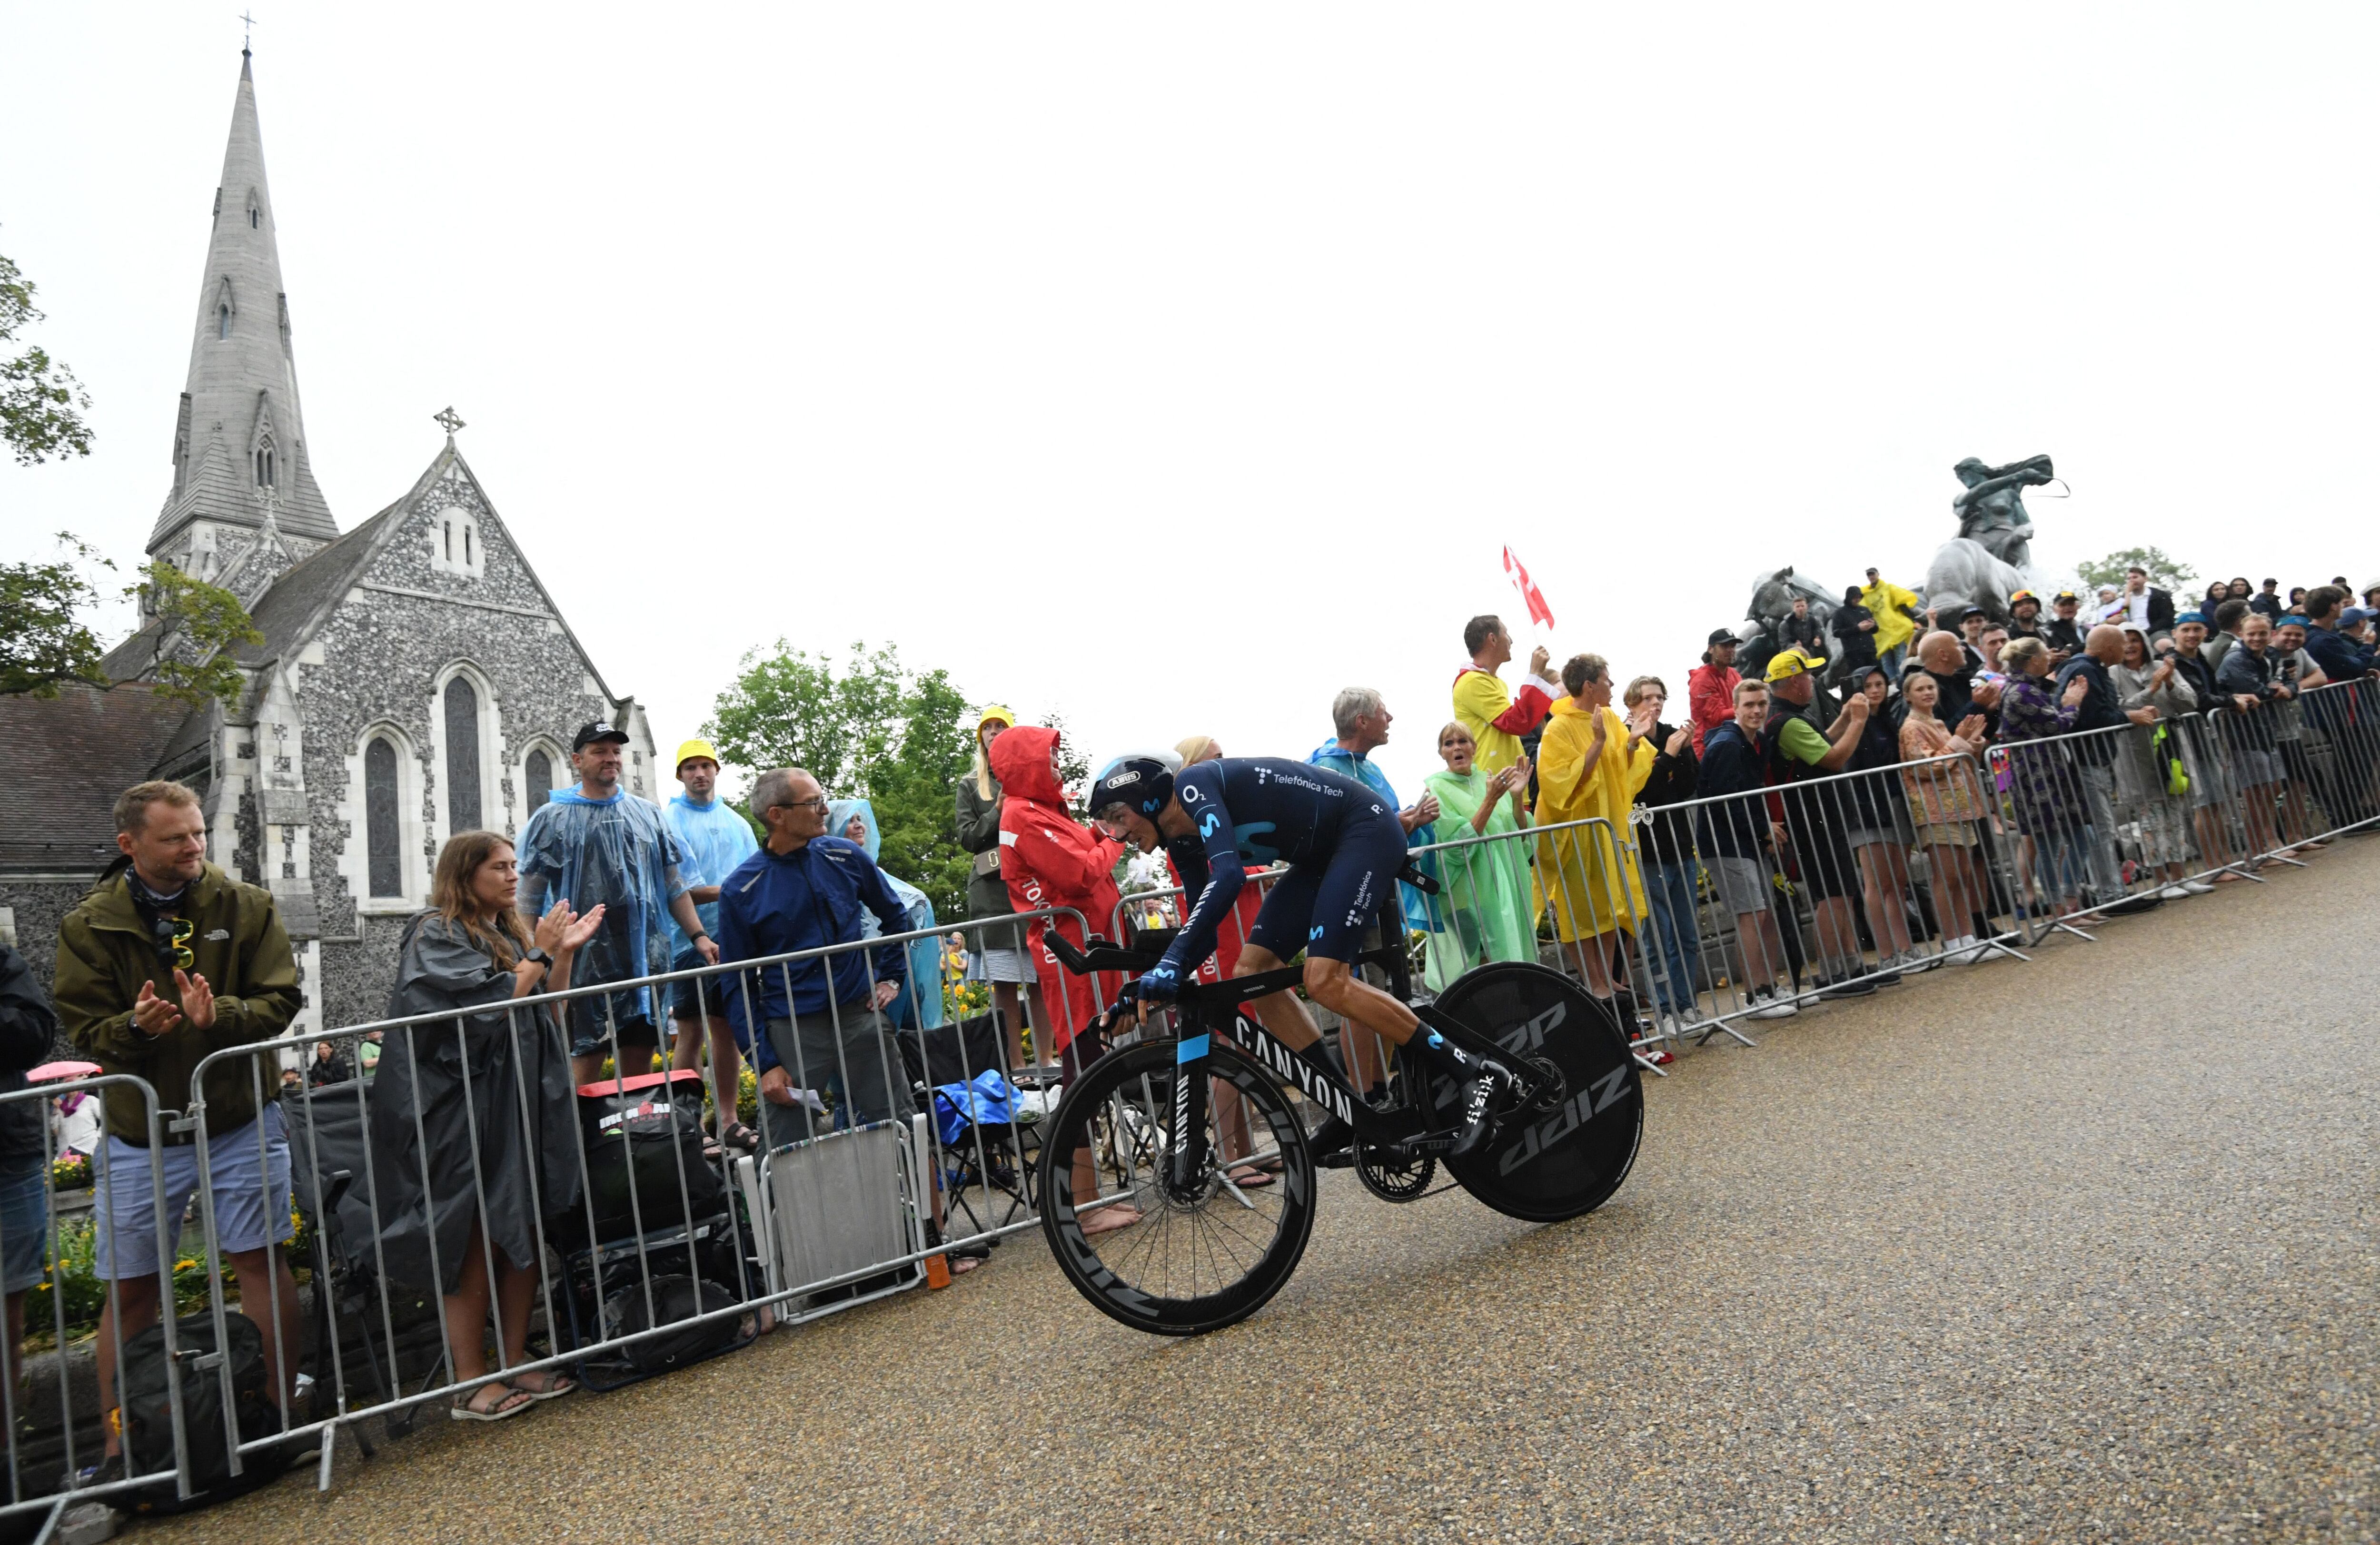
x,y
448,419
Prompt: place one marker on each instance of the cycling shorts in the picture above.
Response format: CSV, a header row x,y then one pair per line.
x,y
1325,907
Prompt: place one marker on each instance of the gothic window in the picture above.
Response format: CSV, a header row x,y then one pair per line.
x,y
462,756
467,559
454,545
222,321
265,468
387,872
450,542
540,778
255,217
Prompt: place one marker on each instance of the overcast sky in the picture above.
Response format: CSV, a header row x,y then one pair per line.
x,y
1176,367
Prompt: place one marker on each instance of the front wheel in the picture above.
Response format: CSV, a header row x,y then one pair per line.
x,y
1197,1258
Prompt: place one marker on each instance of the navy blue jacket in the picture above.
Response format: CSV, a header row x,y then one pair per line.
x,y
778,903
1736,828
2341,658
2100,709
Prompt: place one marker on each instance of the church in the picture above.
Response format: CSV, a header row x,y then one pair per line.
x,y
415,678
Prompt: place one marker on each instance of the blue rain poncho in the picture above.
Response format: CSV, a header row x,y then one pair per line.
x,y
712,840
920,1003
619,853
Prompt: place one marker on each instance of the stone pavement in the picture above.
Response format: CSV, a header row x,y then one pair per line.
x,y
2076,1250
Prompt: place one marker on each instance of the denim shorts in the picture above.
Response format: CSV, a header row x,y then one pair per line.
x,y
251,1196
24,1222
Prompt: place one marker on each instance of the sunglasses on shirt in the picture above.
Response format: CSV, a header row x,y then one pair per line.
x,y
174,941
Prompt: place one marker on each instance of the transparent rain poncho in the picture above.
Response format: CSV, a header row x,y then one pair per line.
x,y
925,955
618,853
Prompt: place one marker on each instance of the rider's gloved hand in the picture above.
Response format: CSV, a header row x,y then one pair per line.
x,y
1157,985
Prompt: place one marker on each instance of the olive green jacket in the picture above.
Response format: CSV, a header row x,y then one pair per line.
x,y
106,953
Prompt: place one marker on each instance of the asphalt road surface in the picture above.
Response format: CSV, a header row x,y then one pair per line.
x,y
2076,1250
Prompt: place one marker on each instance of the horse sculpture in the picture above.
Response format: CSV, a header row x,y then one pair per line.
x,y
1965,572
1772,603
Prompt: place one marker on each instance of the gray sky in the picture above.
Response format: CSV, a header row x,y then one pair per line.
x,y
1176,367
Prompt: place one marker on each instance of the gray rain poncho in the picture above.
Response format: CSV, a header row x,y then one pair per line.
x,y
618,853
492,1092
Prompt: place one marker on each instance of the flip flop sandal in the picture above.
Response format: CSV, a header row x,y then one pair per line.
x,y
557,1385
736,1135
502,1410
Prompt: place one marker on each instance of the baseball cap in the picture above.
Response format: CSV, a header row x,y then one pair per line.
x,y
2294,620
2066,595
2025,595
597,729
1787,664
1966,612
693,748
2353,615
2198,617
1719,636
995,714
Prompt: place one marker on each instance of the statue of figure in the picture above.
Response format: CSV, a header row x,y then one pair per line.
x,y
1991,508
1965,573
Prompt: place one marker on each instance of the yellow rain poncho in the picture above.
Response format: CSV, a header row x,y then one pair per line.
x,y
1588,872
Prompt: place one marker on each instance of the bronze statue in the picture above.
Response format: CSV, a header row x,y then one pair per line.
x,y
1991,508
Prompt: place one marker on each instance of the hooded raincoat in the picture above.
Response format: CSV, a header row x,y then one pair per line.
x,y
1050,859
475,1105
1885,600
621,854
920,1003
1588,871
1483,910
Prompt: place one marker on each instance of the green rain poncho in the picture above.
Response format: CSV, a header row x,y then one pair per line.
x,y
1482,912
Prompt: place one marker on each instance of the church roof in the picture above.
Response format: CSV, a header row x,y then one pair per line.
x,y
302,599
63,761
241,395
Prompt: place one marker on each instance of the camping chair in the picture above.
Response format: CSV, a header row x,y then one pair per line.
x,y
995,1155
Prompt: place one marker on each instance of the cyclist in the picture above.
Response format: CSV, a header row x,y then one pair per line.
x,y
1343,847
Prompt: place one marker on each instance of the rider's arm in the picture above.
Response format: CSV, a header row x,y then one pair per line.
x,y
1211,871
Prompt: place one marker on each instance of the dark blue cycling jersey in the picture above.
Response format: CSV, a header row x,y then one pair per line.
x,y
1343,845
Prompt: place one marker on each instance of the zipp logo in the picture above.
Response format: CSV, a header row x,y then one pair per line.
x,y
1576,1112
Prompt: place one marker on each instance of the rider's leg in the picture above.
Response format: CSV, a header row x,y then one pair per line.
x,y
1279,1012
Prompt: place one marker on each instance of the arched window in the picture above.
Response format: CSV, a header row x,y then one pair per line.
x,y
467,559
255,217
265,465
380,843
450,542
222,321
540,778
462,756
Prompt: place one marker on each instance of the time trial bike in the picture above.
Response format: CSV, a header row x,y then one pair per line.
x,y
1169,1121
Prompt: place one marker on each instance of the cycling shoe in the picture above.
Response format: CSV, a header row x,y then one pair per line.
x,y
1479,1109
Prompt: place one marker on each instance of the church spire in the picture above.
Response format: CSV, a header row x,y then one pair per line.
x,y
239,442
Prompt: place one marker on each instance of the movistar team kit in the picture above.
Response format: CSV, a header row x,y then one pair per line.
x,y
1342,844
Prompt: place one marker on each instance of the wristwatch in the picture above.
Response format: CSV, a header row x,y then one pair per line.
x,y
540,957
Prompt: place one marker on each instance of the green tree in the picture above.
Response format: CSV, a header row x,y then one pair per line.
x,y
871,729
2164,573
45,643
42,404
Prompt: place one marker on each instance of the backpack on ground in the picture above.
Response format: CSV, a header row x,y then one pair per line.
x,y
149,1411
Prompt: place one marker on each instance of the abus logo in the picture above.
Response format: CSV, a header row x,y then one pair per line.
x,y
1117,779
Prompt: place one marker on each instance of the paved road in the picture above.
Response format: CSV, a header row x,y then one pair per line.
x,y
2076,1250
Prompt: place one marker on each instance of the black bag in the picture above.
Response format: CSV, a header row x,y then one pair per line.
x,y
674,1299
149,1411
644,1133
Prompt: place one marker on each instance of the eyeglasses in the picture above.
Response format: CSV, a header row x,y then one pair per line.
x,y
174,941
818,804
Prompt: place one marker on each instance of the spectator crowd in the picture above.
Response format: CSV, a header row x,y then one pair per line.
x,y
1860,807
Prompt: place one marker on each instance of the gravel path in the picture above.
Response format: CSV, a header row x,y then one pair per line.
x,y
2076,1250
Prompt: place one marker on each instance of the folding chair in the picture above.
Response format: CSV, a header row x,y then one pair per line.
x,y
997,1156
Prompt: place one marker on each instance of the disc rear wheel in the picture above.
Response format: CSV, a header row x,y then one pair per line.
x,y
1567,1152
1196,1259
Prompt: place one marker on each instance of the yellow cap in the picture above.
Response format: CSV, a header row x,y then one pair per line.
x,y
995,710
1787,663
695,748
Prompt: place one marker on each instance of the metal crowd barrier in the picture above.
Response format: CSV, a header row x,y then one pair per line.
x,y
890,1131
1692,919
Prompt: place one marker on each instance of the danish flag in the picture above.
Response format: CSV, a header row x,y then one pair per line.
x,y
1539,612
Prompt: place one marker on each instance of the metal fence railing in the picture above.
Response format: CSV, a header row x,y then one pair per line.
x,y
351,1248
